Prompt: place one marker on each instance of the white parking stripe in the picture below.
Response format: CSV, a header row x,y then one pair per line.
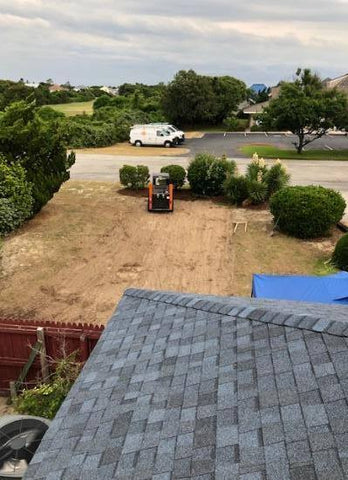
x,y
328,147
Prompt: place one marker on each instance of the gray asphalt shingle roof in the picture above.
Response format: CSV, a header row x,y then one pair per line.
x,y
203,388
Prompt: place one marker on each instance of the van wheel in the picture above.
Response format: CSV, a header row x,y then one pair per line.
x,y
176,141
138,143
167,144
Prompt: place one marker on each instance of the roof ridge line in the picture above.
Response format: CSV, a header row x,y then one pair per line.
x,y
247,312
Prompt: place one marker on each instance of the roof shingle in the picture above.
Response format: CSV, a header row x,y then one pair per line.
x,y
204,388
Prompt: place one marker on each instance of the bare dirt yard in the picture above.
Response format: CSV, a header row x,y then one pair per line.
x,y
73,261
127,149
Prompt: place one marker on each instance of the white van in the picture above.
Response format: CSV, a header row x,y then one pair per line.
x,y
172,128
152,135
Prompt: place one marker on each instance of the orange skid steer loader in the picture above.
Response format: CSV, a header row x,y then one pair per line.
x,y
161,194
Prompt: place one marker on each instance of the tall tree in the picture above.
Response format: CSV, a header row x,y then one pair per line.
x,y
198,99
36,145
189,99
228,92
306,108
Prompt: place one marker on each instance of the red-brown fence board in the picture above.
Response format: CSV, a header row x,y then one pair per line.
x,y
18,336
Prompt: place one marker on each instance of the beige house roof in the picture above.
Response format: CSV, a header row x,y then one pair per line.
x,y
255,109
56,88
341,83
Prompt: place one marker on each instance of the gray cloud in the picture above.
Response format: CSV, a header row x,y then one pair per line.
x,y
116,41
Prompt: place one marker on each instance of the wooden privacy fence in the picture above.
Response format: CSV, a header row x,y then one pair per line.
x,y
26,348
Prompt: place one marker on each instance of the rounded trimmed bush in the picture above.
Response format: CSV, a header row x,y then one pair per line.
x,y
236,189
307,212
134,177
143,176
340,255
207,173
128,176
177,174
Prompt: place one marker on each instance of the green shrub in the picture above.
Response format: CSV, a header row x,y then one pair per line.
x,y
337,204
340,254
81,132
177,174
262,181
233,124
128,176
45,399
257,191
276,178
38,146
108,125
16,201
306,212
257,169
8,217
143,176
134,177
102,101
48,114
207,173
236,189
257,128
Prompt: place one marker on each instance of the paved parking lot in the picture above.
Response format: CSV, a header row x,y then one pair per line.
x,y
230,143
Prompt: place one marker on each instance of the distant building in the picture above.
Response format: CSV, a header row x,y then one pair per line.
x,y
56,88
258,108
32,84
79,88
110,90
341,83
258,87
274,92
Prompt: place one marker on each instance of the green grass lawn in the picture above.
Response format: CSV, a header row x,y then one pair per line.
x,y
75,108
269,151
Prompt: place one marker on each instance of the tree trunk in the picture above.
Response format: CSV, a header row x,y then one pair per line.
x,y
299,146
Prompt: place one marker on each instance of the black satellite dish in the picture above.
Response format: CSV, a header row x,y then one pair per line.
x,y
20,436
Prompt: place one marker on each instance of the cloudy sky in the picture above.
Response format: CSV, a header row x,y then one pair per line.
x,y
113,41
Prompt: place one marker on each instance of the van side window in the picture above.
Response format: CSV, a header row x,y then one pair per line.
x,y
159,133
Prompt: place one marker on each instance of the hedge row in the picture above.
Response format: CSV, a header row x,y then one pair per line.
x,y
304,212
16,201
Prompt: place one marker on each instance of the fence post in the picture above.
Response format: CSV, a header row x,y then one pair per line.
x,y
13,391
43,359
83,348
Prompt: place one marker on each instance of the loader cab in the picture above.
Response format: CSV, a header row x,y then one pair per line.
x,y
161,180
161,194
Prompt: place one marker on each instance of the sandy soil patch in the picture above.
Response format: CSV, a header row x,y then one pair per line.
x,y
127,149
194,134
73,261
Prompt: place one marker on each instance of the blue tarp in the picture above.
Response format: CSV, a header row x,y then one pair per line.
x,y
328,289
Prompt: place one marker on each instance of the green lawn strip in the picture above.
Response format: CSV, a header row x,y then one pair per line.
x,y
74,108
268,151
